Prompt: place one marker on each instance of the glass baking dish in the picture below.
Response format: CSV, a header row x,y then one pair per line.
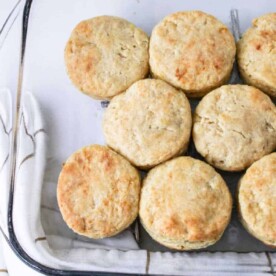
x,y
71,120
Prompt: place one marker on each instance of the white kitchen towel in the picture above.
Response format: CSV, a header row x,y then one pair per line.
x,y
5,137
42,233
5,130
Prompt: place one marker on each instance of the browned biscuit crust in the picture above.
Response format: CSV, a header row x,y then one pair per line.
x,y
149,123
105,55
257,54
98,192
192,51
257,199
234,126
185,204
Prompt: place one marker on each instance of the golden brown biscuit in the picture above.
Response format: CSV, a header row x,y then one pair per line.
x,y
105,55
257,199
185,204
98,192
257,54
149,123
192,51
234,126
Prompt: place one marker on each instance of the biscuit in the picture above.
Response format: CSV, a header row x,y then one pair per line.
x,y
257,54
98,192
192,51
185,204
257,199
105,55
234,126
149,123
